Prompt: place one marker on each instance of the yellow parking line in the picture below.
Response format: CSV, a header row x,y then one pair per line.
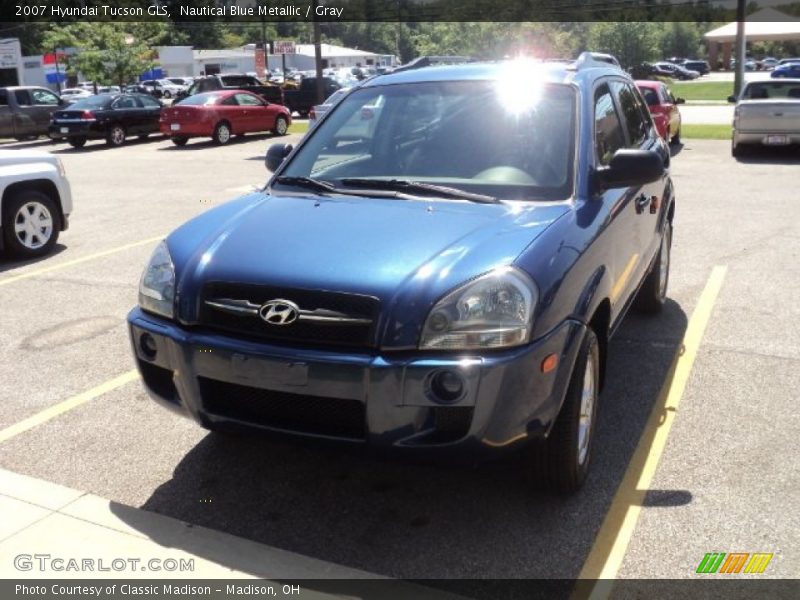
x,y
62,407
611,543
77,261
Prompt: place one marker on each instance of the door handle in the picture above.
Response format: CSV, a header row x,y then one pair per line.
x,y
641,202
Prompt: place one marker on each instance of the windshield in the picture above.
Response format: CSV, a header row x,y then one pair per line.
x,y
510,142
99,101
769,90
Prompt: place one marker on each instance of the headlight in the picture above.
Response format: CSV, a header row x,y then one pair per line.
x,y
157,286
492,311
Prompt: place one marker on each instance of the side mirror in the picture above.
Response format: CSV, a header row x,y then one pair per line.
x,y
680,101
732,99
631,168
275,155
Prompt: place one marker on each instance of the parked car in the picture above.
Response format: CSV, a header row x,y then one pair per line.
x,y
786,70
700,66
663,106
25,111
784,61
320,109
767,113
73,94
235,81
769,63
182,82
675,71
221,115
112,117
109,89
438,287
35,202
303,99
162,88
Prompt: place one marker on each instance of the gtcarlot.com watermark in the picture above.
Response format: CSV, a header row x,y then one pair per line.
x,y
47,563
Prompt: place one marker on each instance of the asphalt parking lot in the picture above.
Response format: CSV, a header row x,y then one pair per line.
x,y
718,371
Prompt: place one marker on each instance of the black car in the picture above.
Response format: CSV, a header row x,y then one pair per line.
x,y
701,66
112,117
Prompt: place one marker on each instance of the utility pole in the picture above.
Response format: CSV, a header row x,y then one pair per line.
x,y
318,54
741,48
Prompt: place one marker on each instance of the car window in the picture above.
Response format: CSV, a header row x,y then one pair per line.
x,y
124,102
766,90
248,100
23,98
235,81
436,132
650,96
148,102
230,101
632,117
200,99
608,136
44,98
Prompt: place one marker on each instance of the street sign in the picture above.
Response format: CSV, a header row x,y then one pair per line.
x,y
283,47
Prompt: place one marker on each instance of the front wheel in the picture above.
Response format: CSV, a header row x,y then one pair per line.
x,y
561,462
281,126
222,134
30,224
653,292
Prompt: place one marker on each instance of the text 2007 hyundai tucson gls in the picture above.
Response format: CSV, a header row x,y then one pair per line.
x,y
436,268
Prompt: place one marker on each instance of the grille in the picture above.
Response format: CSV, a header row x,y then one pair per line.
x,y
292,412
324,334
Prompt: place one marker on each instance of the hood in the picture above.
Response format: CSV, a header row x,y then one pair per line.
x,y
384,248
23,157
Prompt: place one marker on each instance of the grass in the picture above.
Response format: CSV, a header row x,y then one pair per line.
x,y
298,127
706,90
706,132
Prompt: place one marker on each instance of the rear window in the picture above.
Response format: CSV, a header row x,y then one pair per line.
x,y
99,101
769,90
200,100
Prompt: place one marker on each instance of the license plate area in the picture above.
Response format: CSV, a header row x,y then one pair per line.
x,y
777,140
65,130
175,127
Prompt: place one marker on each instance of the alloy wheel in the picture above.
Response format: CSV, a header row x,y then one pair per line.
x,y
33,225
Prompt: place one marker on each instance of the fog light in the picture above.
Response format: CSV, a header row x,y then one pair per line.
x,y
447,386
148,346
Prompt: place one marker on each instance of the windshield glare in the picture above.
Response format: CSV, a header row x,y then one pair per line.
x,y
464,134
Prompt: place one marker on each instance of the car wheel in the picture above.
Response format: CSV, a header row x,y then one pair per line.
x,y
561,462
180,141
222,133
281,126
31,224
653,292
676,139
77,142
115,136
167,95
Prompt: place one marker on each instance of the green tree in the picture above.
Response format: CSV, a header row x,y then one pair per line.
x,y
632,42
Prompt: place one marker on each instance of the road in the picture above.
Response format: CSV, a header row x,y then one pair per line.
x,y
726,480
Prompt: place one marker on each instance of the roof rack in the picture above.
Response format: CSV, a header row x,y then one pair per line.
x,y
595,60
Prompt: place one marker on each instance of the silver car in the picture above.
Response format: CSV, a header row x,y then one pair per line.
x,y
767,113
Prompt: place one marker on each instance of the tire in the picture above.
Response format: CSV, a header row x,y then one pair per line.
x,y
676,139
167,95
737,151
653,292
116,136
31,224
180,141
222,133
561,462
281,126
77,142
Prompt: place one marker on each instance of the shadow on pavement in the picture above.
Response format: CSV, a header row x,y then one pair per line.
x,y
783,155
100,144
423,521
9,264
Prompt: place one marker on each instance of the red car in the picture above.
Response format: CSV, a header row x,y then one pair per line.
x,y
663,107
221,115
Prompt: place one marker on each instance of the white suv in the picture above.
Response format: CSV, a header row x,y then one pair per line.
x,y
35,202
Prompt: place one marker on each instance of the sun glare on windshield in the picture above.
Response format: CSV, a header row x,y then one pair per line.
x,y
519,87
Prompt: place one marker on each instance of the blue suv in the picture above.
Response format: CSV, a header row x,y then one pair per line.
x,y
436,268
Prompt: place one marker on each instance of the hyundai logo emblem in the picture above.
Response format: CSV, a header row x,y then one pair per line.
x,y
279,312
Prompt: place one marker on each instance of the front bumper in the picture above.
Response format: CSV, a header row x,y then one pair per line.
x,y
382,400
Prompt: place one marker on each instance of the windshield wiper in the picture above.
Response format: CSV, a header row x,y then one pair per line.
x,y
411,187
323,186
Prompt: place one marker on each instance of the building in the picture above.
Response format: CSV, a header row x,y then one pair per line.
x,y
762,26
333,57
11,62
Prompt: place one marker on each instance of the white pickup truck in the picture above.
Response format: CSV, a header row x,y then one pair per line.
x,y
767,113
35,202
